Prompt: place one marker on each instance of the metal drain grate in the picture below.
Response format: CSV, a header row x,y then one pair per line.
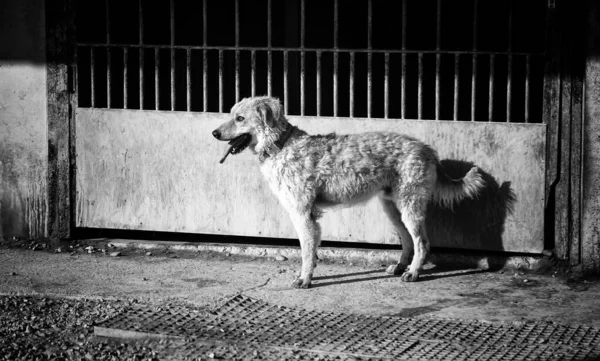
x,y
243,324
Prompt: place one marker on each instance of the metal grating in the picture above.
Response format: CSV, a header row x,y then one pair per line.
x,y
243,326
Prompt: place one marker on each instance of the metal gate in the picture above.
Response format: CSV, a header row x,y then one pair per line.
x,y
154,78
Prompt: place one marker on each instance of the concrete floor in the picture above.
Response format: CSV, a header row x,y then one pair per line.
x,y
205,278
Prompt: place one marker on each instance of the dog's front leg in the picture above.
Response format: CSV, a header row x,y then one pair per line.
x,y
309,234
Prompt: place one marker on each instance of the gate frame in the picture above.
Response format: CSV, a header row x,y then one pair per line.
x,y
562,102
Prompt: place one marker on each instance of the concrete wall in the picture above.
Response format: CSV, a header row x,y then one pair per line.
x,y
23,128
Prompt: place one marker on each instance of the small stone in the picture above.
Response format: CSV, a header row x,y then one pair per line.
x,y
13,273
115,254
148,254
525,280
280,258
211,355
547,253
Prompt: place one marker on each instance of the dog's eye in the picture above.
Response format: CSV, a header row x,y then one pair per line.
x,y
239,118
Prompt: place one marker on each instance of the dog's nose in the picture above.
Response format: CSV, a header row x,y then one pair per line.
x,y
216,134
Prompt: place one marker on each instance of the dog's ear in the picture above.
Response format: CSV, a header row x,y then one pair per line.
x,y
270,109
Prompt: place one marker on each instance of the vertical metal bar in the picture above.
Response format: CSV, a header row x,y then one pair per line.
x,y
204,58
491,88
335,58
172,16
302,55
474,63
386,86
319,83
510,65
237,76
188,79
269,52
438,59
220,81
302,81
351,84
93,76
237,52
253,72
527,86
156,79
108,56
420,88
403,80
141,51
125,76
369,58
456,84
285,82
204,80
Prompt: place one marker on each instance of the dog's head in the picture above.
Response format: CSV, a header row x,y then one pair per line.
x,y
254,123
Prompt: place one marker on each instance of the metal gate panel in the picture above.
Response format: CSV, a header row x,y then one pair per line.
x,y
159,171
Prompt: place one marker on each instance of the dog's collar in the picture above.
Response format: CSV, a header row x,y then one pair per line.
x,y
283,137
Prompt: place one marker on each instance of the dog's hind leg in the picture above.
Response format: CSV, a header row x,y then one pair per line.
x,y
395,217
413,217
309,233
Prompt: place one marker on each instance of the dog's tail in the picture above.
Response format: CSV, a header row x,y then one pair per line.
x,y
449,191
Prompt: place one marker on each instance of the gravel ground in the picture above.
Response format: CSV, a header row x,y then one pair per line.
x,y
42,328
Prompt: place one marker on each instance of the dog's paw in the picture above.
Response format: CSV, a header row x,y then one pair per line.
x,y
395,269
299,283
410,276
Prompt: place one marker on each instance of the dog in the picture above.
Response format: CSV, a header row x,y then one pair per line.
x,y
311,173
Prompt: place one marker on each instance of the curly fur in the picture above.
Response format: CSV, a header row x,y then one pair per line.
x,y
313,172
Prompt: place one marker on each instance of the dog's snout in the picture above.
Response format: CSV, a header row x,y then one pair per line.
x,y
216,133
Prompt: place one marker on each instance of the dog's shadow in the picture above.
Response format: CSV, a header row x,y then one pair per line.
x,y
355,277
473,223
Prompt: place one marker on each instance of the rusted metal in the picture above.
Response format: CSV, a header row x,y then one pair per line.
x,y
308,50
335,56
93,77
253,72
172,28
286,98
188,80
237,52
438,58
156,79
204,80
141,51
352,61
369,58
269,52
474,62
527,87
302,57
49,211
318,83
420,87
220,81
386,87
491,88
509,71
456,85
125,77
108,57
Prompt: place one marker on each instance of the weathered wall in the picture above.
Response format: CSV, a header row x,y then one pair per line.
x,y
23,130
590,225
159,171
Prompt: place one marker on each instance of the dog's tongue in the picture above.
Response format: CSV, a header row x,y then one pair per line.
x,y
227,152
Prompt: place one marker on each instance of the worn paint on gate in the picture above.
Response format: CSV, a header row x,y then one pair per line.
x,y
160,171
